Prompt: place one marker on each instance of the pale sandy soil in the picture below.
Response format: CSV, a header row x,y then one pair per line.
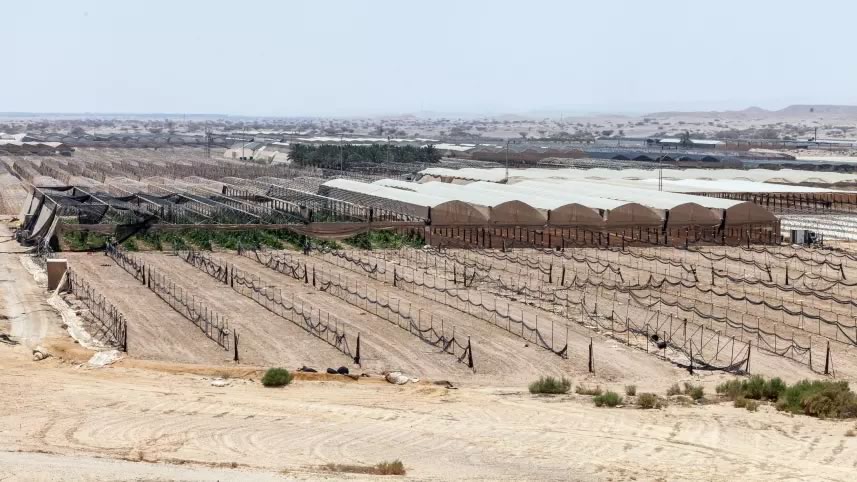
x,y
181,428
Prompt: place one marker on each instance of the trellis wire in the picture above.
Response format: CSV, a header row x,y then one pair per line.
x,y
528,331
287,265
250,286
214,325
114,327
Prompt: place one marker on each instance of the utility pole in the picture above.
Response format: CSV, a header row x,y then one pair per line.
x,y
507,161
340,153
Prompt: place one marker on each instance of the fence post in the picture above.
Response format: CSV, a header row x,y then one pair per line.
x,y
591,365
749,350
690,365
827,360
469,353
235,345
357,356
810,352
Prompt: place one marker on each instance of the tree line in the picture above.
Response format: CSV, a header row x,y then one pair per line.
x,y
331,156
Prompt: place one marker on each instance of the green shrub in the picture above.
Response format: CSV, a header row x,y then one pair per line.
x,y
130,244
774,388
591,391
673,390
386,239
750,405
630,390
650,400
754,388
695,392
276,377
84,240
395,467
551,385
819,398
610,399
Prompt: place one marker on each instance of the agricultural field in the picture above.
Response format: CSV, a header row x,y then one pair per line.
x,y
236,276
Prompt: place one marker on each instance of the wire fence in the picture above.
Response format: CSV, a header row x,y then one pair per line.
x,y
797,316
112,327
312,320
648,295
428,328
214,325
521,324
644,297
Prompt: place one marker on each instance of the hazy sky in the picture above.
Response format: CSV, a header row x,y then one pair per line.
x,y
286,58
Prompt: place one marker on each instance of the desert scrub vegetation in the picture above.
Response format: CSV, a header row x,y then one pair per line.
x,y
749,404
550,385
650,400
607,399
276,377
695,392
630,390
591,391
395,467
754,388
819,398
816,398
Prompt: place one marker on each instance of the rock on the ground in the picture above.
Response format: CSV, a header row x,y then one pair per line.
x,y
40,353
104,358
399,378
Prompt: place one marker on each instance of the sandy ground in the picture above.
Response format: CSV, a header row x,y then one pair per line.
x,y
121,423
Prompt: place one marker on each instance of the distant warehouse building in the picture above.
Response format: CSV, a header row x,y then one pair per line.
x,y
243,150
675,143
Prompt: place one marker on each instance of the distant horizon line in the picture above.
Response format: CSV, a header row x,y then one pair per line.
x,y
577,111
